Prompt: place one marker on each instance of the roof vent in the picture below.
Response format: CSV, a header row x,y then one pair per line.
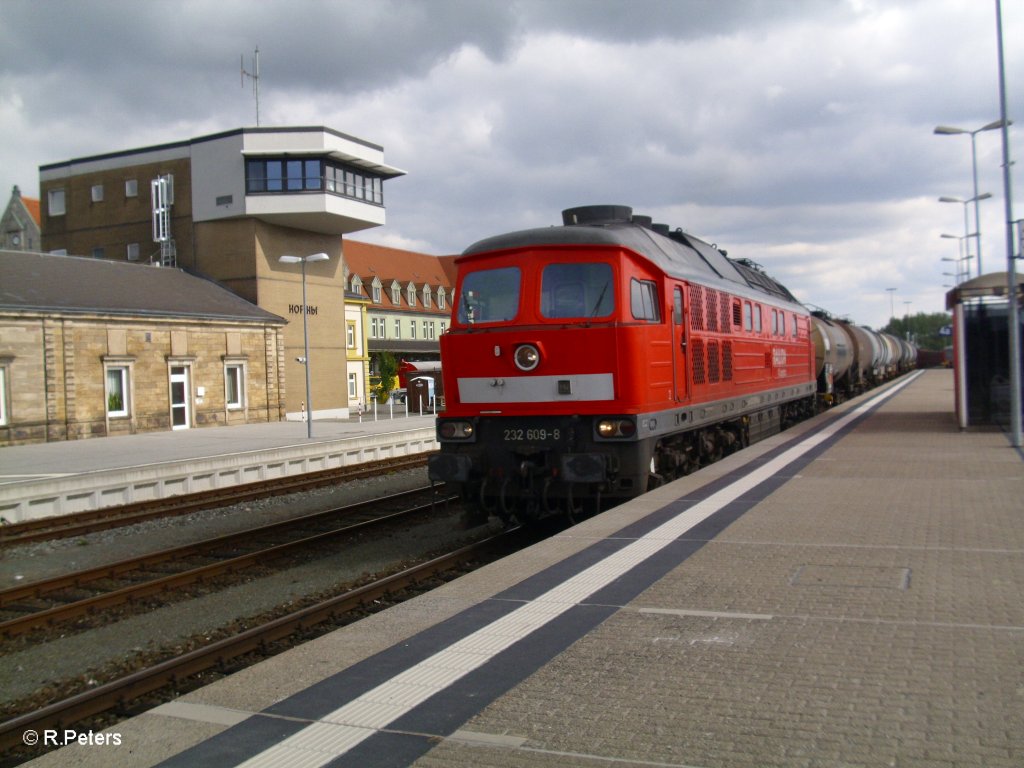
x,y
597,214
661,229
642,221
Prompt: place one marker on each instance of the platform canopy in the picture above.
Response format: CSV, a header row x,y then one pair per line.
x,y
991,284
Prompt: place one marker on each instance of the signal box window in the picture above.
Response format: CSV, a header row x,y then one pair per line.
x,y
55,202
489,296
576,290
643,299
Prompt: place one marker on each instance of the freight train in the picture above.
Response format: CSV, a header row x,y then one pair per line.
x,y
588,363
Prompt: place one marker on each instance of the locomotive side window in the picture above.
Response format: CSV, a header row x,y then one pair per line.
x,y
576,290
757,318
489,296
748,322
643,299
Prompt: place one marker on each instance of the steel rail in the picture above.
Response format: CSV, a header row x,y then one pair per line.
x,y
119,693
48,617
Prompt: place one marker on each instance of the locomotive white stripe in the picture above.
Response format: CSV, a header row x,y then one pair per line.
x,y
537,389
339,731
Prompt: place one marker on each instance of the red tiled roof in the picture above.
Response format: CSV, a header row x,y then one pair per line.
x,y
369,260
32,206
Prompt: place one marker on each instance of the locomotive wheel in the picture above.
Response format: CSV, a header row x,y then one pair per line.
x,y
487,498
573,512
508,498
654,480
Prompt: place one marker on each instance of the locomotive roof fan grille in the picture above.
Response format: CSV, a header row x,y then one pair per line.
x,y
597,214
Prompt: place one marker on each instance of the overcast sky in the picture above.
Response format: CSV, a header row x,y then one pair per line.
x,y
797,133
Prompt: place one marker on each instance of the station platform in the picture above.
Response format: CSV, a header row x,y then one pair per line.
x,y
70,476
846,593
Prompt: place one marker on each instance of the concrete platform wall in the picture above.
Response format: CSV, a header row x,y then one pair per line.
x,y
87,491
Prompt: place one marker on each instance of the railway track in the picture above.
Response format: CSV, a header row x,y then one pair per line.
x,y
70,597
174,674
81,523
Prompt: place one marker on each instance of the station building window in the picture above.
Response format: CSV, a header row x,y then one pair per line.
x,y
117,390
277,175
234,385
3,395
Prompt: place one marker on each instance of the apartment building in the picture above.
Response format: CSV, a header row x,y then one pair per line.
x,y
408,298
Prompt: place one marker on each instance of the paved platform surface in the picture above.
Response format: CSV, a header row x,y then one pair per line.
x,y
62,478
21,463
847,593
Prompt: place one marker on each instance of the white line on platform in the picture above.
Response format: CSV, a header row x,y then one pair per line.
x,y
346,727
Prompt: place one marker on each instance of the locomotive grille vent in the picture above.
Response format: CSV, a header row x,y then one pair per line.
x,y
713,363
711,319
698,361
724,312
696,308
726,361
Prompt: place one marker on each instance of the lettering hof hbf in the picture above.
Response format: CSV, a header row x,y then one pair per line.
x,y
296,309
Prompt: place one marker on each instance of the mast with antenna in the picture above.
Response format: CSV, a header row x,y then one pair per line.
x,y
255,77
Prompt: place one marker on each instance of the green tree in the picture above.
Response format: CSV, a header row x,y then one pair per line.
x,y
387,367
924,329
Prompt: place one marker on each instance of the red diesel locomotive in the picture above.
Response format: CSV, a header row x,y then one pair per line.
x,y
595,360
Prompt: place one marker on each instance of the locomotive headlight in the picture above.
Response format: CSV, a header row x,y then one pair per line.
x,y
455,430
527,357
610,428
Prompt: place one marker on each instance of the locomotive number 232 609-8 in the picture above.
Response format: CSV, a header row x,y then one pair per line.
x,y
519,435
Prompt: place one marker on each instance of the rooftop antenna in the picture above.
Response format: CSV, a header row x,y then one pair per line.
x,y
255,77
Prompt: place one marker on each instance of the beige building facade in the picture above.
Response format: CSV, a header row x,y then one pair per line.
x,y
227,207
92,349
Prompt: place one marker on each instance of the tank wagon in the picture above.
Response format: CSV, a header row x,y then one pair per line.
x,y
851,359
595,360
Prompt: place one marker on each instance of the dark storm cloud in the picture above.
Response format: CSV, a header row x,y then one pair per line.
x,y
796,132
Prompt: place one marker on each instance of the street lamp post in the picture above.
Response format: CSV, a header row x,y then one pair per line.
x,y
305,327
963,249
963,271
977,229
945,130
892,309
